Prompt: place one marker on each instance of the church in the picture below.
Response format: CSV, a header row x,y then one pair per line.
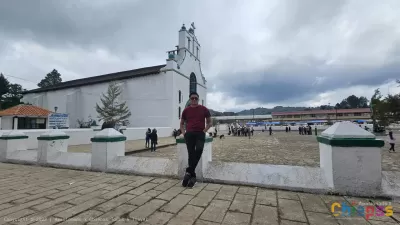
x,y
156,95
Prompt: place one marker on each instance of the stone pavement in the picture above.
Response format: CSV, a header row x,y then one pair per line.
x,y
40,195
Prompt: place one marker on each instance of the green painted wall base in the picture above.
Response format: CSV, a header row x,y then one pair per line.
x,y
108,139
13,137
351,142
53,138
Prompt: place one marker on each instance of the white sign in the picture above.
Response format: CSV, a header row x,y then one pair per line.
x,y
58,120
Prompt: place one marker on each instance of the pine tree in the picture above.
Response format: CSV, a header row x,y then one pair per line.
x,y
51,79
112,110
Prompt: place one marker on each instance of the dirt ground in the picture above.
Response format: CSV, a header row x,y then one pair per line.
x,y
281,149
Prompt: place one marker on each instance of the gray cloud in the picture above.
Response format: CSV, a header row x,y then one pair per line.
x,y
266,52
280,84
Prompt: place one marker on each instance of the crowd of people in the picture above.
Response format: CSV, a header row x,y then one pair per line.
x,y
305,130
240,131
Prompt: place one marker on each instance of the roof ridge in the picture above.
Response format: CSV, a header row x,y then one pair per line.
x,y
144,71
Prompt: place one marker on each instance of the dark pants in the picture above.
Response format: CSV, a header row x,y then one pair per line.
x,y
195,145
153,146
391,146
147,142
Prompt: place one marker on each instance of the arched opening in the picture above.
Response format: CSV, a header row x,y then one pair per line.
x,y
180,96
179,112
193,83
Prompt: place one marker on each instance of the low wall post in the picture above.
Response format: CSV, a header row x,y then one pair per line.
x,y
350,158
183,157
50,143
106,145
12,141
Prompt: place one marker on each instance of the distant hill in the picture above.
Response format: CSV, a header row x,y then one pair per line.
x,y
260,111
350,102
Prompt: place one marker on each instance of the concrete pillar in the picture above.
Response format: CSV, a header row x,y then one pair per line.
x,y
15,123
350,158
183,157
50,143
12,141
106,145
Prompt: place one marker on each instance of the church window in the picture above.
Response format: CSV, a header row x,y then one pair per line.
x,y
193,83
197,53
179,112
189,44
180,96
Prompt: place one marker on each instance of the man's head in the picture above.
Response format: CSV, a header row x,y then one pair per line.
x,y
194,98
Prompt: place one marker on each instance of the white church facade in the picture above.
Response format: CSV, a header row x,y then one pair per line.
x,y
156,96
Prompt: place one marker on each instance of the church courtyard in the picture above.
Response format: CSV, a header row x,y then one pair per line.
x,y
280,149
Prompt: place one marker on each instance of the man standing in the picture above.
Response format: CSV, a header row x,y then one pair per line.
x,y
195,135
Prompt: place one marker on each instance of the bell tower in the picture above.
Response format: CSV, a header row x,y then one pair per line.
x,y
188,41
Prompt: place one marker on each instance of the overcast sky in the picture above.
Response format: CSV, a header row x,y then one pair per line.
x,y
255,53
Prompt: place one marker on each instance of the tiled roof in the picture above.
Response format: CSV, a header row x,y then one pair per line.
x,y
25,110
100,79
332,111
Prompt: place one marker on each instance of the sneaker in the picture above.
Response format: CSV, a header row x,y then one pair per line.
x,y
192,182
186,179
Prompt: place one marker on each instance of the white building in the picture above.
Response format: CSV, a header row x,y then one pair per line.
x,y
155,95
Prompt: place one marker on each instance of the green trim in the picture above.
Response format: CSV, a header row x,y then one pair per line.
x,y
182,140
351,142
13,137
108,139
52,138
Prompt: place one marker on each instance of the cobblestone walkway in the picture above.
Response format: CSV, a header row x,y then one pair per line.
x,y
39,195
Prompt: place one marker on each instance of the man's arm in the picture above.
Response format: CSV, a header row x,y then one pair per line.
x,y
208,119
182,126
208,124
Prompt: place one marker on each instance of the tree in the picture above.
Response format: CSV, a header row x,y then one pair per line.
x,y
4,87
52,78
14,96
379,108
353,102
112,110
393,107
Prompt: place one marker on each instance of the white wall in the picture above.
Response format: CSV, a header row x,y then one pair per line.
x,y
6,123
83,136
139,132
145,97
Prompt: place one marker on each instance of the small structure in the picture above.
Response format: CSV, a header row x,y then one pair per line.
x,y
24,117
350,158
